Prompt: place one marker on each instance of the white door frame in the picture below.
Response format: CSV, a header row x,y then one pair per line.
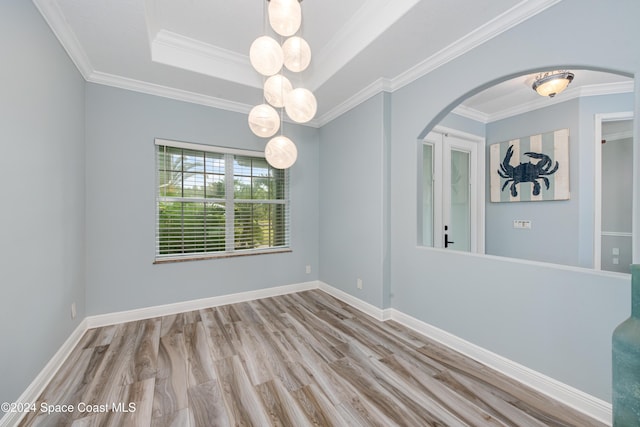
x,y
597,234
477,173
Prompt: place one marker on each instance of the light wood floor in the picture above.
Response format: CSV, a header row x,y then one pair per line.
x,y
295,360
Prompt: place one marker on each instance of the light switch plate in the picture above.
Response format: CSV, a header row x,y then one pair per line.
x,y
524,224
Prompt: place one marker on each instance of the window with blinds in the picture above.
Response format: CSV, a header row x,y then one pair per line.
x,y
215,201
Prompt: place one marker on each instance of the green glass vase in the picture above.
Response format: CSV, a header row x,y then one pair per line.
x,y
626,361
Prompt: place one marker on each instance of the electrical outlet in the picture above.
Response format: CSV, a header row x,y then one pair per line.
x,y
73,310
616,261
308,269
359,283
615,251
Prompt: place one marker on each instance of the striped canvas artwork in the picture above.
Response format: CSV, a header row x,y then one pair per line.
x,y
532,168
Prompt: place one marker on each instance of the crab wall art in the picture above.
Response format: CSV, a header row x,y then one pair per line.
x,y
533,168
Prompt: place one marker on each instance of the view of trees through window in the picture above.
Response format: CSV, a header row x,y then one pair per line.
x,y
215,202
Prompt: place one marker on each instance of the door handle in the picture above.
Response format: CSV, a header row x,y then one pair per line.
x,y
447,241
446,237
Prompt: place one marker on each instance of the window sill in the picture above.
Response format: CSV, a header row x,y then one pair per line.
x,y
223,255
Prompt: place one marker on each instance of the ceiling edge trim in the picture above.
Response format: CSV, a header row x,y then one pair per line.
x,y
517,14
177,94
471,113
540,102
509,19
166,92
183,52
526,9
53,16
608,88
380,85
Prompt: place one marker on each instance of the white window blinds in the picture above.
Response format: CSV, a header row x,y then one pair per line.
x,y
215,201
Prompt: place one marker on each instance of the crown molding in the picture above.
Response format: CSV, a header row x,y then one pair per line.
x,y
542,102
167,92
194,55
380,85
53,16
168,47
509,19
503,22
179,95
607,88
471,113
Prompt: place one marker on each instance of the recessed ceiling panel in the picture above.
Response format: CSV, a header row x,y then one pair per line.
x,y
197,50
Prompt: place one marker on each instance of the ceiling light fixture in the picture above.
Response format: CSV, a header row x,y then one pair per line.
x,y
551,83
285,16
264,120
270,59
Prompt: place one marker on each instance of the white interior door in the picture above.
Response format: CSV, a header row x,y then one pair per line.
x,y
452,196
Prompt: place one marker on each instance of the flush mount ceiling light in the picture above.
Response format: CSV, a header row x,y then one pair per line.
x,y
272,59
552,83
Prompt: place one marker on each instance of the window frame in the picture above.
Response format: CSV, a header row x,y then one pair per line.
x,y
229,200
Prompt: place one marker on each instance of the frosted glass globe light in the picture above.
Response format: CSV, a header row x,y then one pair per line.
x,y
281,152
266,55
285,16
297,54
276,88
552,83
301,105
264,120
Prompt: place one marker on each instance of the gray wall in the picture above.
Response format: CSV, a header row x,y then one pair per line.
x,y
555,320
354,201
562,230
464,124
363,185
121,127
538,315
554,230
42,215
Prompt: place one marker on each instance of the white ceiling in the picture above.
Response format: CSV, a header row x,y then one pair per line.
x,y
517,96
197,50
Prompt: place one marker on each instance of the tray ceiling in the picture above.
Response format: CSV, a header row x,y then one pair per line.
x,y
197,50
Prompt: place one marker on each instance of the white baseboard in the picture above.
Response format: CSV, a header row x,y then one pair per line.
x,y
38,385
365,307
579,400
583,402
199,304
570,396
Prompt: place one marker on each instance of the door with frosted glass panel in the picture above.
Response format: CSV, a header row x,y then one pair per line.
x,y
450,201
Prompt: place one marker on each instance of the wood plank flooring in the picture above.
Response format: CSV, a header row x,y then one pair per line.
x,y
304,359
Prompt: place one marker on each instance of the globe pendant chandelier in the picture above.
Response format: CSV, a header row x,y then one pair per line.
x,y
271,58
